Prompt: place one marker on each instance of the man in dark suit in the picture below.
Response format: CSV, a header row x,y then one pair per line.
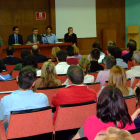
x,y
10,59
15,38
34,38
40,58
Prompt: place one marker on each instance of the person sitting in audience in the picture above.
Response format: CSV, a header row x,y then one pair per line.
x,y
48,76
2,67
24,53
102,55
23,98
77,92
35,51
62,66
131,47
71,60
112,111
10,59
103,76
110,49
94,57
117,78
84,63
76,52
117,55
1,42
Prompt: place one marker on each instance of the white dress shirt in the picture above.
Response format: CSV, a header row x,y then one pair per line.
x,y
62,67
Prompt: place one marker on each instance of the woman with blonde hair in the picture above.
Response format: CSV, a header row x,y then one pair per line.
x,y
84,63
76,52
117,78
48,76
54,51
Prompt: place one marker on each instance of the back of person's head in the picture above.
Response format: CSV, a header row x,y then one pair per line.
x,y
84,63
76,50
24,53
109,61
10,50
26,77
75,74
95,54
111,43
136,57
117,53
96,45
131,45
117,78
30,60
1,65
61,55
70,51
134,42
111,107
35,49
54,51
110,49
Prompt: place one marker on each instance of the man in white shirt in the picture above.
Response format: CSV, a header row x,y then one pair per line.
x,y
62,66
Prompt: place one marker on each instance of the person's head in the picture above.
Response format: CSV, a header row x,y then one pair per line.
x,y
24,53
111,43
70,30
1,65
75,75
136,58
96,45
48,29
95,54
110,49
30,60
16,30
134,42
131,46
10,50
111,107
84,63
35,49
70,51
137,92
117,78
76,50
61,56
54,51
117,53
27,77
35,31
109,61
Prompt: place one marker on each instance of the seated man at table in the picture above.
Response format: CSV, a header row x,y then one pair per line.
x,y
20,99
77,92
49,37
15,38
10,59
35,51
34,38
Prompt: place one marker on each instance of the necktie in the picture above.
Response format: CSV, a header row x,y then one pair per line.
x,y
16,40
35,40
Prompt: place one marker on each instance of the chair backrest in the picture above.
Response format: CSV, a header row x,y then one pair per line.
x,y
49,92
31,122
2,94
15,73
10,68
131,103
95,86
4,72
40,64
94,74
135,133
129,64
8,85
62,77
135,81
55,63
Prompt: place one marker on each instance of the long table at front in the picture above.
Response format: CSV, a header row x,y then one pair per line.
x,y
45,49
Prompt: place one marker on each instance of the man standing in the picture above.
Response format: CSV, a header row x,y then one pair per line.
x,y
70,36
49,37
34,38
15,38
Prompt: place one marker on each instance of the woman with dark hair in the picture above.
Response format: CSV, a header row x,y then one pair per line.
x,y
111,111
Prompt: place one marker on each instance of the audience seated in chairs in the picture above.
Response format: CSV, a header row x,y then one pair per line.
x,y
10,59
23,98
62,66
103,76
110,49
94,57
77,92
24,53
109,114
48,76
117,78
76,52
3,77
110,43
71,60
84,63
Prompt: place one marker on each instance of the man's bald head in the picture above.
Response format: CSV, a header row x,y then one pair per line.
x,y
35,49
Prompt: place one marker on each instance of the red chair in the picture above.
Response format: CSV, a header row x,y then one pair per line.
x,y
2,94
15,73
71,117
40,64
4,72
135,81
129,64
55,63
94,74
62,77
10,68
135,133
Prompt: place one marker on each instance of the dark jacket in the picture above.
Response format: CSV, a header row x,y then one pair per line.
x,y
40,58
11,39
127,57
95,66
11,60
30,38
72,38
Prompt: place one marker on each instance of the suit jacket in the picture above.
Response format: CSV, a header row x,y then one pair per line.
x,y
11,39
72,38
30,38
127,57
40,58
11,60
